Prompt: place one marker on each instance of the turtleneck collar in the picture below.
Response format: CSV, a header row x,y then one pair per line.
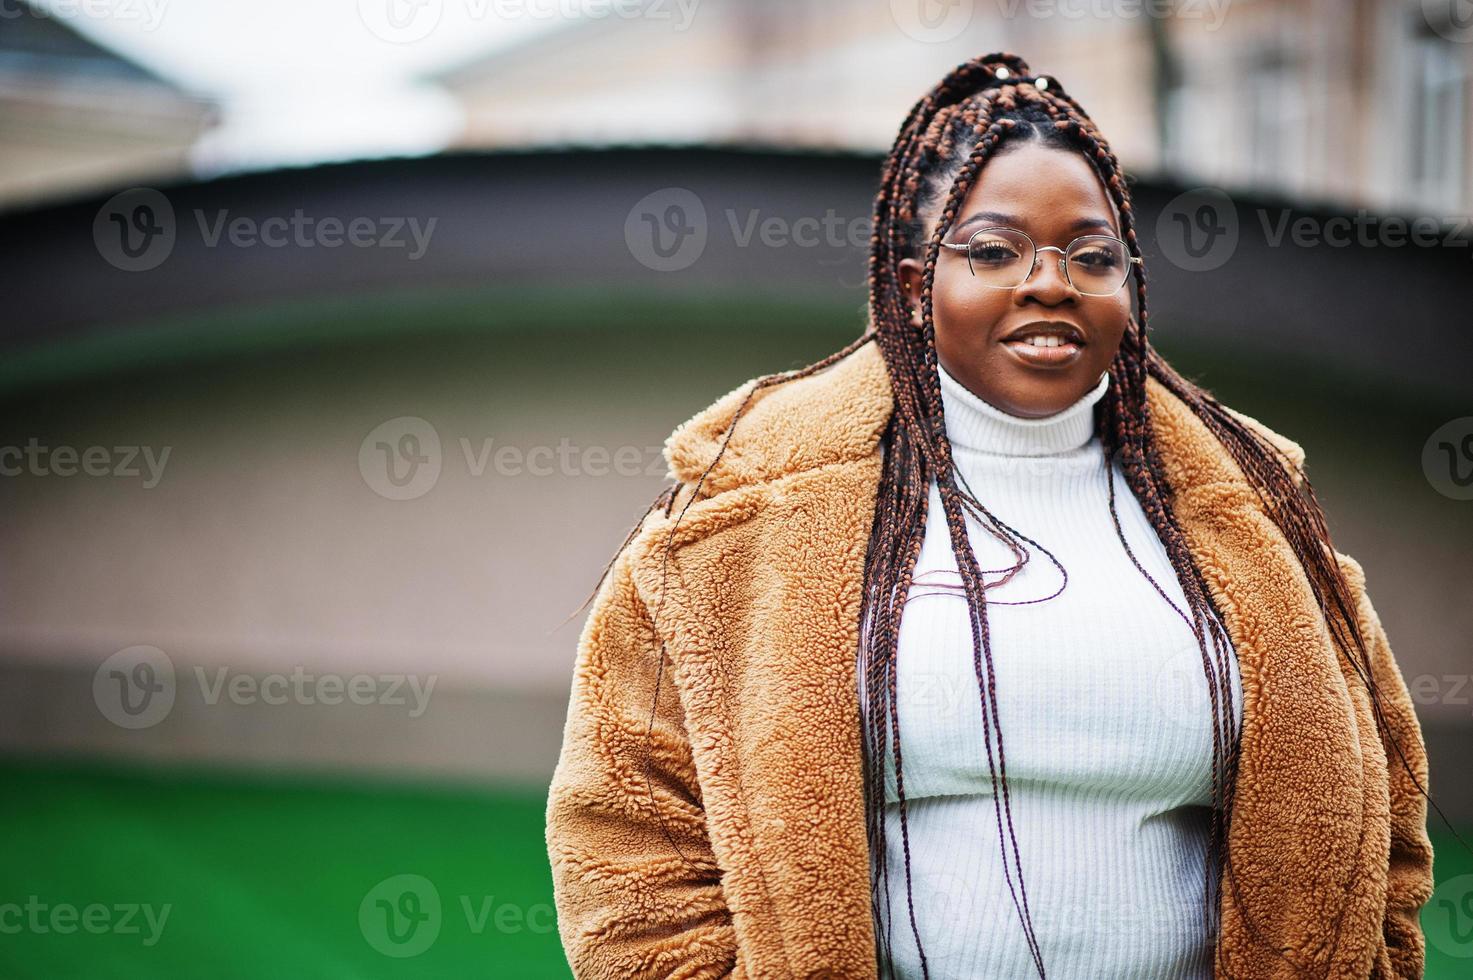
x,y
976,424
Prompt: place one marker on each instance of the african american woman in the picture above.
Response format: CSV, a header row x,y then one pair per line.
x,y
1152,724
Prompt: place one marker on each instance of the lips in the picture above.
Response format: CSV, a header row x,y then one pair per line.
x,y
1066,332
1058,344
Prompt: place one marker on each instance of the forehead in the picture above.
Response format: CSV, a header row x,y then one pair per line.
x,y
1048,190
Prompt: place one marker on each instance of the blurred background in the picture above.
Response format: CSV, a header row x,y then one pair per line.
x,y
340,340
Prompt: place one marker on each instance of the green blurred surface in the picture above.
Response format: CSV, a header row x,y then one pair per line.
x,y
265,876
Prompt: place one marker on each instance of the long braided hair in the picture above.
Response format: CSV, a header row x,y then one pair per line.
x,y
981,106
942,145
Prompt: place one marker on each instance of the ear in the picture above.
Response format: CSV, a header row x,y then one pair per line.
x,y
912,273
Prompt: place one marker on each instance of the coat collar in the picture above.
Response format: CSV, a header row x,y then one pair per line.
x,y
840,413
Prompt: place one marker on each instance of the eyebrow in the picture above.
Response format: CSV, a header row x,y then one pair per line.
x,y
997,217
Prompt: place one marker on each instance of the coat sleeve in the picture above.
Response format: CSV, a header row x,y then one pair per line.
x,y
628,905
1409,869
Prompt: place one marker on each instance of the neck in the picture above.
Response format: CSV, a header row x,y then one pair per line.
x,y
975,424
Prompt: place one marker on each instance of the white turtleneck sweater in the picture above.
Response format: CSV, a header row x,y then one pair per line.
x,y
1105,715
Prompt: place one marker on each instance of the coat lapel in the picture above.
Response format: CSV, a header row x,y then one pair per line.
x,y
1299,838
760,620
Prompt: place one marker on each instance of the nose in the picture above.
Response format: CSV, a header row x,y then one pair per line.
x,y
1046,281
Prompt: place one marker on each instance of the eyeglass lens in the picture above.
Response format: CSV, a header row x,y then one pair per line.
x,y
1002,257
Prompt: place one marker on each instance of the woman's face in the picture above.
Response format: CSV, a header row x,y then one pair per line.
x,y
1053,196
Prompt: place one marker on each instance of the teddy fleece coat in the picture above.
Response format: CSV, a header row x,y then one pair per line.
x,y
744,853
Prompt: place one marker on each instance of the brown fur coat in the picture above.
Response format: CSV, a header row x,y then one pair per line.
x,y
756,765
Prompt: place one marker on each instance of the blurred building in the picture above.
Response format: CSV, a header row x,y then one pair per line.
x,y
269,366
1361,103
76,117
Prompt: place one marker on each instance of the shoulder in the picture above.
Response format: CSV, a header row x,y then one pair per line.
x,y
1291,449
835,414
1194,454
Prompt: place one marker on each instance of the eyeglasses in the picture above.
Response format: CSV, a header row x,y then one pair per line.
x,y
1004,258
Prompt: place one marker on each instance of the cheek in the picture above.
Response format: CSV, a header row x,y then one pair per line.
x,y
1111,318
966,315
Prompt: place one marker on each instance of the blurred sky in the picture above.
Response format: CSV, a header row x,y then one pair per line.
x,y
308,80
